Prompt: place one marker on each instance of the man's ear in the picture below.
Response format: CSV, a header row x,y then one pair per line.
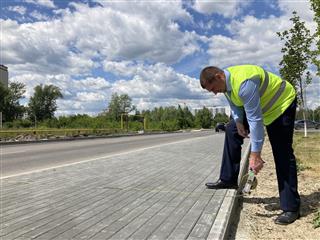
x,y
219,76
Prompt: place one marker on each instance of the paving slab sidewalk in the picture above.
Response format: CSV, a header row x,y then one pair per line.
x,y
155,193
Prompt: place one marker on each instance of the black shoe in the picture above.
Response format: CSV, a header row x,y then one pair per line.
x,y
287,218
221,185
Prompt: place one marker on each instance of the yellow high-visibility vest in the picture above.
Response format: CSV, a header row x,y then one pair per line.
x,y
276,94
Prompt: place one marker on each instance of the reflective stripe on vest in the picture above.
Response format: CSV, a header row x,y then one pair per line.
x,y
265,83
275,97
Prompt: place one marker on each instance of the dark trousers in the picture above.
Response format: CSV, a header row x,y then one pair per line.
x,y
280,134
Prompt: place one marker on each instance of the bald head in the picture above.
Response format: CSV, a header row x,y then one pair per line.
x,y
208,75
213,80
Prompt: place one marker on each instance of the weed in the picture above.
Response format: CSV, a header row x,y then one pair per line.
x,y
316,220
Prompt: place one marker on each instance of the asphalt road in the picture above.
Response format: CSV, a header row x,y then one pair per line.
x,y
26,158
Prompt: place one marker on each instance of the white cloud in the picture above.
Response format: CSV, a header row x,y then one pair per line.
x,y
149,86
227,8
254,41
136,41
44,3
88,95
121,68
312,91
159,85
148,32
302,8
158,81
18,9
37,15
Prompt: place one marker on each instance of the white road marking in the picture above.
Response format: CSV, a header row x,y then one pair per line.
x,y
102,157
6,153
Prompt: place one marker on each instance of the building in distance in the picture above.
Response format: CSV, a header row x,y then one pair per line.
x,y
214,110
4,75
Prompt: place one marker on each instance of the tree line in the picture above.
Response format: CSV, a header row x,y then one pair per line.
x,y
42,105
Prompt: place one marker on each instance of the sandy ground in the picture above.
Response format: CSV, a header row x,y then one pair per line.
x,y
258,211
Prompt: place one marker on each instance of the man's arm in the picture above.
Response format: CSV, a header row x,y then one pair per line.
x,y
237,115
249,93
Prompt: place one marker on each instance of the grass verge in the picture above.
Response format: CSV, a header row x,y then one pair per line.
x,y
307,151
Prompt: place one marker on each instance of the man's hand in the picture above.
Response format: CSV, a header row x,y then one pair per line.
x,y
241,130
255,162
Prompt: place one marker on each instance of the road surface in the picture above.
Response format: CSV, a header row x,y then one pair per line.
x,y
26,158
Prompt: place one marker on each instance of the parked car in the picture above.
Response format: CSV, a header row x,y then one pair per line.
x,y
299,124
220,127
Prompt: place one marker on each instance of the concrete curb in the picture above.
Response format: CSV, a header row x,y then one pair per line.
x,y
222,223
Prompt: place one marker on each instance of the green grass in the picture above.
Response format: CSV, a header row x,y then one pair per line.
x,y
316,220
307,151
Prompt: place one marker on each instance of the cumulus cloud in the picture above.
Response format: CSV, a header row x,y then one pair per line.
x,y
37,15
43,3
303,8
87,95
70,45
254,41
18,9
160,85
149,86
158,81
228,8
136,42
312,91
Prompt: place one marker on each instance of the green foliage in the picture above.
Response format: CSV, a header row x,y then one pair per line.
x,y
185,118
296,55
119,104
316,220
20,123
315,6
220,117
300,166
310,114
9,101
4,92
43,104
203,118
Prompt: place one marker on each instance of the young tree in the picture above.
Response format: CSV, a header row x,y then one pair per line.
x,y
9,101
119,104
185,118
315,6
296,57
3,95
221,117
43,103
203,118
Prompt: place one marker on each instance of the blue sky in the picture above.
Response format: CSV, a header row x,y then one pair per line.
x,y
151,50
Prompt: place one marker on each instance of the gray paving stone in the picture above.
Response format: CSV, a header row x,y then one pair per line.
x,y
156,193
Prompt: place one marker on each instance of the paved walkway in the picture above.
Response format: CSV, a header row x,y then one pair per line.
x,y
155,193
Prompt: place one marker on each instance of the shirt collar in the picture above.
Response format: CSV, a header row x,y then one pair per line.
x,y
227,73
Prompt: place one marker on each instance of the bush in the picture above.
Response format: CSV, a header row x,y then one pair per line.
x,y
21,123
